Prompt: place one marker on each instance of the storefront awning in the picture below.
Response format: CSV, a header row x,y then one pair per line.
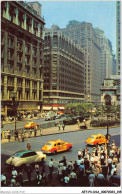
x,y
47,108
61,108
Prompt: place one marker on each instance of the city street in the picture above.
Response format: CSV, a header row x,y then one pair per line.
x,y
20,124
76,138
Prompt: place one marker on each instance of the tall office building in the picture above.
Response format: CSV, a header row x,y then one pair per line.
x,y
118,4
63,70
83,34
108,62
21,56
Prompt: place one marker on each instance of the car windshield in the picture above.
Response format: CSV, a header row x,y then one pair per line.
x,y
91,137
17,155
48,143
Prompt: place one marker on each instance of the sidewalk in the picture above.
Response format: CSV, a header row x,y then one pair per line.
x,y
54,130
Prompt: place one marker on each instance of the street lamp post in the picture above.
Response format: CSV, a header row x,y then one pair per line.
x,y
15,103
108,106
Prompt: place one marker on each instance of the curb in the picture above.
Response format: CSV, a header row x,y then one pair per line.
x,y
66,132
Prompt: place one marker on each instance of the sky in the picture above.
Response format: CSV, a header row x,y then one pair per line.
x,y
101,14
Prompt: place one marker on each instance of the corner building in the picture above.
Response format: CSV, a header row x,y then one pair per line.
x,y
63,70
83,34
21,56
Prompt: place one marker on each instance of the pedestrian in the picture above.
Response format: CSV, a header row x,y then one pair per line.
x,y
98,167
59,126
9,135
13,182
78,162
63,126
25,134
35,131
66,180
63,160
19,137
29,171
109,165
79,154
113,168
28,146
91,179
38,178
92,160
75,166
70,165
102,159
14,173
51,167
40,131
78,121
23,137
82,168
20,178
118,154
36,168
105,171
60,168
64,171
15,135
100,179
86,164
3,134
73,178
3,179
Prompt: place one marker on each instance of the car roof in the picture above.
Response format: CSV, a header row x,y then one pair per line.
x,y
55,141
97,135
21,152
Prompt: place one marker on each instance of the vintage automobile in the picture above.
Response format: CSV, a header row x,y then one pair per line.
x,y
21,158
96,139
29,125
54,146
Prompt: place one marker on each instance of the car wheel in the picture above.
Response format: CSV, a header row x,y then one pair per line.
x,y
69,149
54,153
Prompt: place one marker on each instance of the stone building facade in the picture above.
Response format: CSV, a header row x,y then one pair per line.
x,y
21,56
63,70
111,88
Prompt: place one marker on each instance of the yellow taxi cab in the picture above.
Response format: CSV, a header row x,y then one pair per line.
x,y
54,146
96,139
30,125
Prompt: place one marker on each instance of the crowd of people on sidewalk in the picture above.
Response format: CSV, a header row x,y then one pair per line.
x,y
91,168
20,135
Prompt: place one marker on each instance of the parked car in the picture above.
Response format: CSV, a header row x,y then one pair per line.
x,y
29,125
96,139
54,146
23,157
68,121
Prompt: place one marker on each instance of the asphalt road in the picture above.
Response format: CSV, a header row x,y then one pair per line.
x,y
76,138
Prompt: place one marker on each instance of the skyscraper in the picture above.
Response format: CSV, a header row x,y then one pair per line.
x,y
118,3
63,70
83,34
108,62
